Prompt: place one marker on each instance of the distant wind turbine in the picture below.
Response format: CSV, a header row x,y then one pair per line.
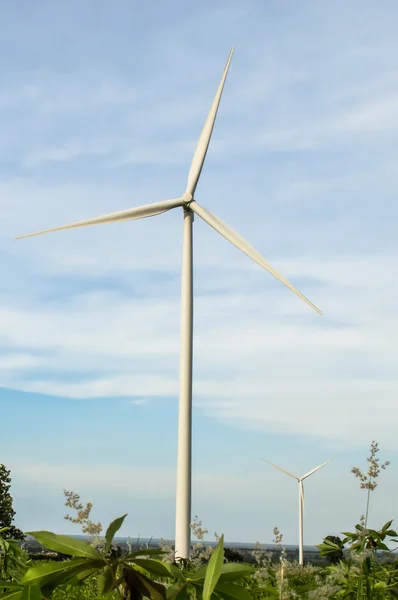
x,y
301,499
189,205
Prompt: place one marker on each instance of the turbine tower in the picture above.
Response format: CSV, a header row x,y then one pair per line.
x,y
301,500
190,207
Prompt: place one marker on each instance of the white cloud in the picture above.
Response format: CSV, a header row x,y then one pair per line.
x,y
134,480
262,359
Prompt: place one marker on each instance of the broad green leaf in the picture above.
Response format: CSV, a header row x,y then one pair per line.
x,y
12,595
328,547
387,525
227,569
391,533
199,574
31,592
8,584
230,591
213,569
359,527
72,579
82,575
177,591
112,529
105,582
157,567
60,571
234,571
382,546
147,587
65,544
374,533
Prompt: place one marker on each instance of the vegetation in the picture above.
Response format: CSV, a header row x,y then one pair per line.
x,y
7,512
96,569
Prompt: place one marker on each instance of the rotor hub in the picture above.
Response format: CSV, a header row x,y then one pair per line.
x,y
187,199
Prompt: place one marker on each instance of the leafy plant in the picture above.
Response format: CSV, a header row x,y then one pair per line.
x,y
13,560
136,572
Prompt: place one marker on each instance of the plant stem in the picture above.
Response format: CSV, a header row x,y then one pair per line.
x,y
367,503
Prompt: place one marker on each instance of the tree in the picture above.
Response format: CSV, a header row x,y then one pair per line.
x,y
7,512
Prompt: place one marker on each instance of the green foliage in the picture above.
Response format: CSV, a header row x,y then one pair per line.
x,y
7,512
136,572
213,570
369,538
13,560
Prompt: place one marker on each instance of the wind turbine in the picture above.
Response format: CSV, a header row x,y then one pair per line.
x,y
301,499
190,207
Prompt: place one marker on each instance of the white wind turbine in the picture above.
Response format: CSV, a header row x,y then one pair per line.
x,y
189,205
301,499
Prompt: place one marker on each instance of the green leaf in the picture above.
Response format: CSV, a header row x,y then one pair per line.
x,y
158,567
213,569
228,571
199,574
112,529
12,595
234,571
328,547
71,578
31,592
382,546
3,529
8,584
105,582
147,587
373,533
231,591
44,573
177,591
65,544
387,525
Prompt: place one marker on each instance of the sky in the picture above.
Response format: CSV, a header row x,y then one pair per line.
x,y
101,106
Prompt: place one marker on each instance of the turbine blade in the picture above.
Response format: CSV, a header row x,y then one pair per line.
x,y
280,469
204,140
141,212
235,239
316,469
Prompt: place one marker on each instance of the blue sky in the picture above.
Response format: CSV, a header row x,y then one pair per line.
x,y
100,109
